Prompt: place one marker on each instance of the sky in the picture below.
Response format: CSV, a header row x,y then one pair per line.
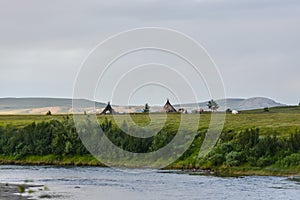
x,y
254,43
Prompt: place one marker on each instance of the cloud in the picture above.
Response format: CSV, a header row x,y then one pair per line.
x,y
251,38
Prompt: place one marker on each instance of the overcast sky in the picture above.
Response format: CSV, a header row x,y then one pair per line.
x,y
255,43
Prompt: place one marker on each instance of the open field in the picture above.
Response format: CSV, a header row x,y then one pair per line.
x,y
283,120
24,120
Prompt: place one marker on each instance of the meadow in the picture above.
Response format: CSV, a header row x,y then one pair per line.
x,y
283,120
252,142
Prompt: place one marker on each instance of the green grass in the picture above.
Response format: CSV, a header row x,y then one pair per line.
x,y
280,109
280,120
23,120
284,120
86,160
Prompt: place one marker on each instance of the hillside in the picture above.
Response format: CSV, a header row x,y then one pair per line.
x,y
60,105
238,103
41,105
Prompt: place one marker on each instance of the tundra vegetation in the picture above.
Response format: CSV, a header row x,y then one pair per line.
x,y
252,142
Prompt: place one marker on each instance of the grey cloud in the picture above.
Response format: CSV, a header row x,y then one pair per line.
x,y
53,37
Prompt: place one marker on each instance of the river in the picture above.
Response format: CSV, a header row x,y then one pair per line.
x,y
93,183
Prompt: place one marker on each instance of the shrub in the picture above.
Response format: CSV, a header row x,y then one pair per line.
x,y
252,160
217,159
226,147
291,160
247,139
294,142
264,161
233,158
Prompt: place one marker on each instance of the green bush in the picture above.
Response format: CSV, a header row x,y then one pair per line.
x,y
217,159
252,160
264,161
53,137
294,142
233,158
226,147
291,160
60,138
247,139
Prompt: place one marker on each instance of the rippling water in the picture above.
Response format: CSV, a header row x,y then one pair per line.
x,y
104,183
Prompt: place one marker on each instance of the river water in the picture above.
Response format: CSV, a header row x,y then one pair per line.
x,y
93,183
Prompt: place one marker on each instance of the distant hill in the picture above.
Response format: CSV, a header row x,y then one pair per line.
x,y
60,105
41,105
238,104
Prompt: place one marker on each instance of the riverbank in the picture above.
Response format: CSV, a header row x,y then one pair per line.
x,y
251,143
224,171
51,160
90,161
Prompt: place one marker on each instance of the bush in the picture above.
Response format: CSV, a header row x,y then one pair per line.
x,y
291,160
233,158
217,159
252,161
245,140
226,147
264,161
294,142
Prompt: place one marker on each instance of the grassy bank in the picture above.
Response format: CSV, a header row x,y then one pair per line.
x,y
86,160
252,143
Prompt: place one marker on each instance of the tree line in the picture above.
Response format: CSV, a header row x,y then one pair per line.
x,y
233,149
44,138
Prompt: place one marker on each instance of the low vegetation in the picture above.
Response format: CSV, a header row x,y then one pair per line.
x,y
252,142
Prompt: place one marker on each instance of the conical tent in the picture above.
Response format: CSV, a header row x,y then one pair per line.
x,y
168,107
109,109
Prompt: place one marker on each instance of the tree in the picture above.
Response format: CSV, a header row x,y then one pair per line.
x,y
147,108
48,113
212,105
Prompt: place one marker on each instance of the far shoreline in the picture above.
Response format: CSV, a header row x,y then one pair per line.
x,y
217,171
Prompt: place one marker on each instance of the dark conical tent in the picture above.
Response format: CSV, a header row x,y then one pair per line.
x,y
168,107
109,109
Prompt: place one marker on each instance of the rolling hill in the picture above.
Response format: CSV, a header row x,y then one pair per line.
x,y
41,105
238,103
63,105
